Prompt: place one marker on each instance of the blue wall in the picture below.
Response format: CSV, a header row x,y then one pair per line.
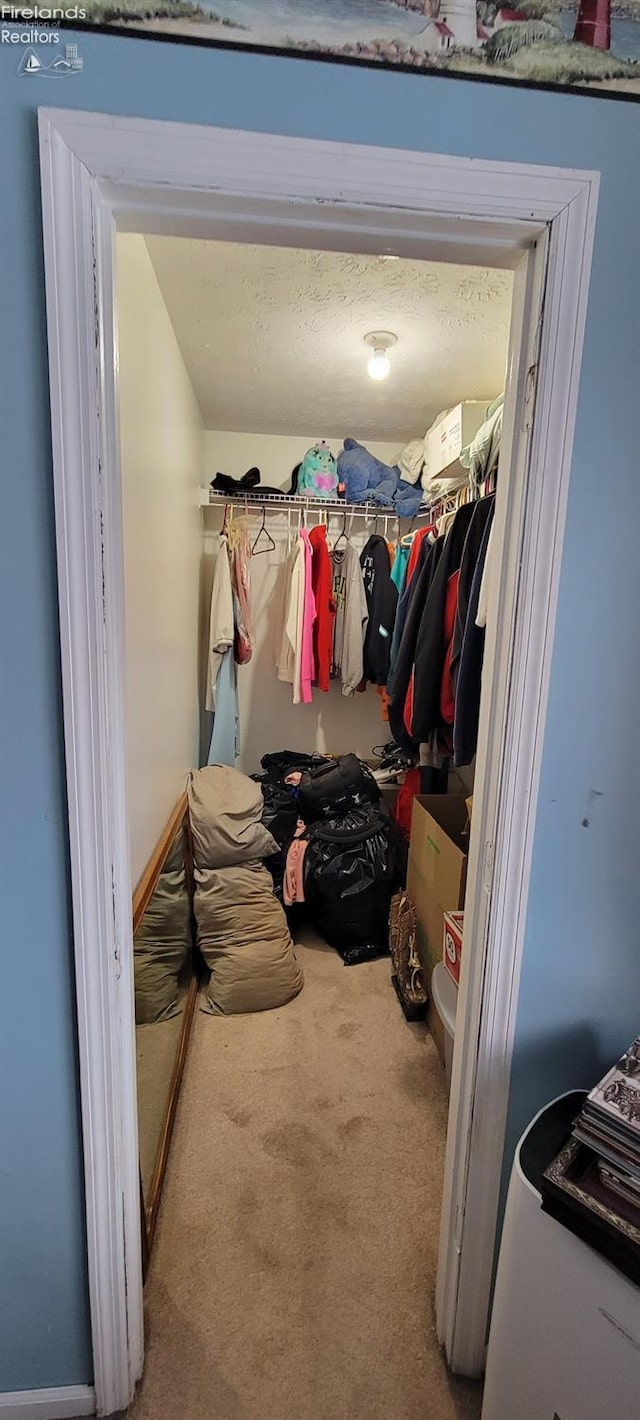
x,y
580,992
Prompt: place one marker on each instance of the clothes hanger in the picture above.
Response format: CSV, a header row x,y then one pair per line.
x,y
407,538
270,547
343,534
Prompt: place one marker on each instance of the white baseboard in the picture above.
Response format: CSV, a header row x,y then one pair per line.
x,y
58,1403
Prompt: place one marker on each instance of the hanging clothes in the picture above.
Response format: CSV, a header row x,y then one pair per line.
x,y
382,603
321,582
469,670
350,619
221,623
433,753
400,679
399,568
240,548
481,456
384,703
225,736
457,603
487,579
423,713
307,663
414,551
221,694
420,544
290,621
485,508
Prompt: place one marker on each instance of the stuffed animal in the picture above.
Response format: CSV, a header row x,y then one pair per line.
x,y
368,480
318,476
408,499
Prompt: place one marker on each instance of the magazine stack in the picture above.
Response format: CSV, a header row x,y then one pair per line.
x,y
593,1186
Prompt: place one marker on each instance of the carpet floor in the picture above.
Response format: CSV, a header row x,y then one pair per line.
x,y
294,1266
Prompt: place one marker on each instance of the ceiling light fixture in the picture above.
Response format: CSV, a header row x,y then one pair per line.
x,y
380,341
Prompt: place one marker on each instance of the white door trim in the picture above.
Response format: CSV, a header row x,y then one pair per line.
x,y
89,541
97,170
493,975
56,1403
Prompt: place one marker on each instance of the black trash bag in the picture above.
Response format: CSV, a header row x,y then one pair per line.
x,y
280,812
336,787
280,817
281,808
352,867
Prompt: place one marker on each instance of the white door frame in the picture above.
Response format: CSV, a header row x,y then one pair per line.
x,y
99,172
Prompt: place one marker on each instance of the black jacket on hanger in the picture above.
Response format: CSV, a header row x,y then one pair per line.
x,y
483,515
382,603
430,648
400,679
404,602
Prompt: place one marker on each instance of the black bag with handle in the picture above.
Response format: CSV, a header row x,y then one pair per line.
x,y
335,787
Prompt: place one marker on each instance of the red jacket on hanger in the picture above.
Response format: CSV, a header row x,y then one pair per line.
x,y
325,605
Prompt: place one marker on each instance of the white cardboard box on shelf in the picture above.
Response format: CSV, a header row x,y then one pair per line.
x,y
450,435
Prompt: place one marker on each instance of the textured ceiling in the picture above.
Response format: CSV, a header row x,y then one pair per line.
x,y
273,337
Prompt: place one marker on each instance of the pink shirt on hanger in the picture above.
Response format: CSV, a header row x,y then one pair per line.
x,y
307,662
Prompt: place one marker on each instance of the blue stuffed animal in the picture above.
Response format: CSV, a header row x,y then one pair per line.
x,y
368,480
408,499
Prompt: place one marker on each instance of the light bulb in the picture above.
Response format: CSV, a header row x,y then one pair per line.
x,y
379,365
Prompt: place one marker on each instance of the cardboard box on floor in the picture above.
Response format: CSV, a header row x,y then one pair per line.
x,y
436,878
452,943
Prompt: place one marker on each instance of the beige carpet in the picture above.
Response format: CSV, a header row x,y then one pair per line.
x,y
294,1266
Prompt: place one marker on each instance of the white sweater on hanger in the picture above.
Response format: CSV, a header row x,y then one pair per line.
x,y
488,574
289,622
220,621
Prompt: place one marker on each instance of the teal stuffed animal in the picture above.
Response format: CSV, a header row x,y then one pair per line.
x,y
318,476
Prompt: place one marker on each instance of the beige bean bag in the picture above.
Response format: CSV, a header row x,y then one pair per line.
x,y
225,808
245,941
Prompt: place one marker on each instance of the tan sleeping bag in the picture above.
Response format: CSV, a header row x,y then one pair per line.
x,y
225,808
245,941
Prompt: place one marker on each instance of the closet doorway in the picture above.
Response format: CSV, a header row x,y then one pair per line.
x,y
536,225
326,1125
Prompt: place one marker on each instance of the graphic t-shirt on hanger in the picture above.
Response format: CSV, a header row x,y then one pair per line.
x,y
351,617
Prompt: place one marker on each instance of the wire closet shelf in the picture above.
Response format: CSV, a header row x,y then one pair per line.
x,y
287,502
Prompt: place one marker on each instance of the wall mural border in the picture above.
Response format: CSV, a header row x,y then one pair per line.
x,y
580,46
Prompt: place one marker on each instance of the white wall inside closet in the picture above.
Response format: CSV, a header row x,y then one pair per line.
x,y
161,437
276,455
